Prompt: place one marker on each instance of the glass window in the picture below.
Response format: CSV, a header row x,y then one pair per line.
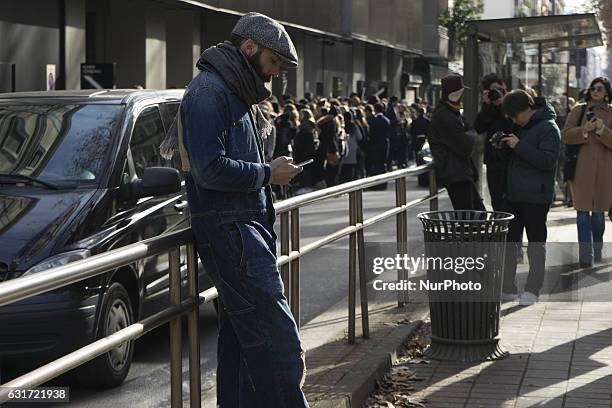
x,y
147,136
57,143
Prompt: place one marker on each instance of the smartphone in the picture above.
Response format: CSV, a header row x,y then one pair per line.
x,y
590,115
304,163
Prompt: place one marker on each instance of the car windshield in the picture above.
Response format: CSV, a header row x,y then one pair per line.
x,y
57,143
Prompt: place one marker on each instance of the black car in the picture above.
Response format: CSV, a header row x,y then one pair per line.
x,y
69,165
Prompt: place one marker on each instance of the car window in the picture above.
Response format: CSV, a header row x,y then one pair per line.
x,y
171,111
147,136
58,142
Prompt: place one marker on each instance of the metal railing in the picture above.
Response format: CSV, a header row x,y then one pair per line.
x,y
288,262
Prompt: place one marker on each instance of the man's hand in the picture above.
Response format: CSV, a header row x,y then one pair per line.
x,y
485,96
511,141
283,170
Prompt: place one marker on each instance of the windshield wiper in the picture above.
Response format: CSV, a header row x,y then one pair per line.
x,y
22,177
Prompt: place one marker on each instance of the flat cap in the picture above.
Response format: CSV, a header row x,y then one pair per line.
x,y
267,33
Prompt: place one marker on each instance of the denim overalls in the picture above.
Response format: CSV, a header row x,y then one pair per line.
x,y
260,358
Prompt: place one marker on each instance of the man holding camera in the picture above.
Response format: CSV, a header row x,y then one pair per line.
x,y
491,120
532,155
451,146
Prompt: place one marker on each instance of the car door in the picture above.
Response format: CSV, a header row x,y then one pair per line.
x,y
156,215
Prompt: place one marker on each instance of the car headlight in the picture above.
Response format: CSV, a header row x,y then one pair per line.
x,y
59,260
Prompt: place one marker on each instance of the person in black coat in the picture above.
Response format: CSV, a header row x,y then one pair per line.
x,y
452,146
286,129
397,146
364,127
418,133
327,157
305,147
378,143
490,120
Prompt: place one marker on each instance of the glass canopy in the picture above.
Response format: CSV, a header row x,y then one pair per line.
x,y
556,33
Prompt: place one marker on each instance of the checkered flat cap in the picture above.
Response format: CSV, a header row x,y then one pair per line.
x,y
267,33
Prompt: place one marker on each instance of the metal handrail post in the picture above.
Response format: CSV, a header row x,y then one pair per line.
x,y
295,266
193,327
284,238
176,372
403,241
400,200
433,190
352,287
363,281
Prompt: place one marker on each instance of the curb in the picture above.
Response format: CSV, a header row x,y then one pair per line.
x,y
359,383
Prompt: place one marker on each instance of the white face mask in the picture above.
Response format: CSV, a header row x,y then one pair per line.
x,y
455,96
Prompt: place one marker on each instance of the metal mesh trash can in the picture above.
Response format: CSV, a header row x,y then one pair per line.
x,y
465,316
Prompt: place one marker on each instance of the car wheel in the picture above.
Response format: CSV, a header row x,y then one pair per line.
x,y
110,369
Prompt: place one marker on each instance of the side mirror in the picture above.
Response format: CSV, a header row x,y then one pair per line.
x,y
157,181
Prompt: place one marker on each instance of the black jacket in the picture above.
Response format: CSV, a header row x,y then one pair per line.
x,y
491,119
419,126
380,133
451,146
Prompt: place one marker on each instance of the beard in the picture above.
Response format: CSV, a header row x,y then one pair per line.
x,y
255,62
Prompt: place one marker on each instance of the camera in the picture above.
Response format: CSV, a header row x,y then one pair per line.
x,y
496,139
495,94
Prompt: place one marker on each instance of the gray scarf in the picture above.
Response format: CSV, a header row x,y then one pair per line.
x,y
242,79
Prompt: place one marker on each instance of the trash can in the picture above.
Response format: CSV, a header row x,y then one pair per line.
x,y
465,248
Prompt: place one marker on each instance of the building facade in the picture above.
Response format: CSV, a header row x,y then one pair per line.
x,y
522,8
364,46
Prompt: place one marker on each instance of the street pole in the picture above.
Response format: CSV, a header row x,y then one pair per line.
x,y
540,82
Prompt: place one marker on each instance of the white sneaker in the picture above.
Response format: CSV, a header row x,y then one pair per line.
x,y
527,299
509,297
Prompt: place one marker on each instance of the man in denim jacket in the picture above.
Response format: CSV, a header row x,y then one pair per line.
x,y
260,358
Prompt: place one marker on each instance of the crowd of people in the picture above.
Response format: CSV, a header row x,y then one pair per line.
x,y
531,146
347,138
524,150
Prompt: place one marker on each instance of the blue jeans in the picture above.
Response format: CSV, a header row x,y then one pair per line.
x,y
260,358
591,227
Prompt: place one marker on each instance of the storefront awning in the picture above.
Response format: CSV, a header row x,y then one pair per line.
x,y
555,33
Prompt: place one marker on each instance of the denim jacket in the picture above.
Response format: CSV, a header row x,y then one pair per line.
x,y
228,175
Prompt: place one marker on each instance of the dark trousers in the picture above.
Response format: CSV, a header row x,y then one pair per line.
x,y
260,360
496,181
464,196
532,218
348,172
331,175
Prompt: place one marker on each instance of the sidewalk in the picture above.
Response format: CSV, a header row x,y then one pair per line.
x,y
344,375
560,356
560,352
